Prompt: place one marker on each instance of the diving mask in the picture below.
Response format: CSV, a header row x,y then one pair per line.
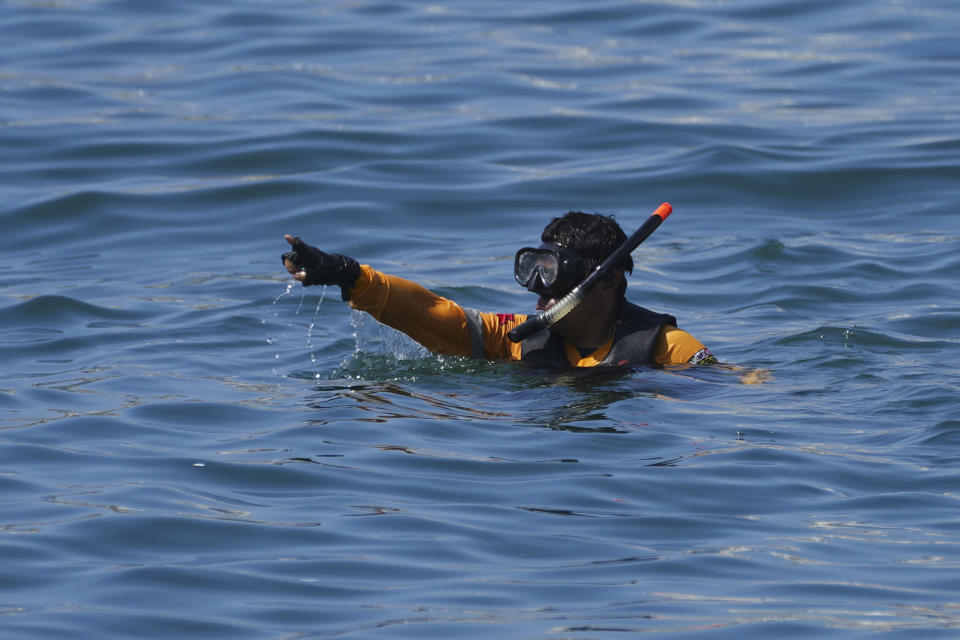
x,y
550,270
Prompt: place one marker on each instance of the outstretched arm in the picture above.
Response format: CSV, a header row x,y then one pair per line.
x,y
437,323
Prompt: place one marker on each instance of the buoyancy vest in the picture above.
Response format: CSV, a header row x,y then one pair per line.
x,y
634,341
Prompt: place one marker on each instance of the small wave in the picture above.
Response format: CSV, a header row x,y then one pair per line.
x,y
859,337
57,312
941,437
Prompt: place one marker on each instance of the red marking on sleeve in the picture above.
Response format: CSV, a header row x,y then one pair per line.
x,y
505,318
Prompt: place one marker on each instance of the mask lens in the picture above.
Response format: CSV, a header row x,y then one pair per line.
x,y
532,262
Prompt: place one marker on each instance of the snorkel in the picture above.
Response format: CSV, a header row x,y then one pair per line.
x,y
567,303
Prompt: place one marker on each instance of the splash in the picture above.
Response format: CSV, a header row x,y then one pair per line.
x,y
313,322
372,337
290,324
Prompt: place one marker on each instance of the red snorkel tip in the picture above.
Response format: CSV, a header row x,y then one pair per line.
x,y
663,211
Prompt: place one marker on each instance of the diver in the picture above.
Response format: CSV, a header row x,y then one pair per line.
x,y
604,329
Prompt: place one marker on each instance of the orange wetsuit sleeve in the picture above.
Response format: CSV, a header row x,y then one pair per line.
x,y
437,323
676,346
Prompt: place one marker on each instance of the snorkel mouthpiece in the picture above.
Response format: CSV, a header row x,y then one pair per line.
x,y
566,304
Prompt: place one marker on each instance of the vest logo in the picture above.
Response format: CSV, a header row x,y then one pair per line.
x,y
703,357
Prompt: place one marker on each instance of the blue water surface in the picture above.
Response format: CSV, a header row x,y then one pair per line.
x,y
191,445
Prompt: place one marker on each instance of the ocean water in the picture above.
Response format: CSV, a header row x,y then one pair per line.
x,y
193,446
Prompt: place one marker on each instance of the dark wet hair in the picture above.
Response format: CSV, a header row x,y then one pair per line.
x,y
592,235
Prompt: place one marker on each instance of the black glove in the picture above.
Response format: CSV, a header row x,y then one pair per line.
x,y
323,268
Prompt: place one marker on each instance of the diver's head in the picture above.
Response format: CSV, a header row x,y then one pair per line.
x,y
573,246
